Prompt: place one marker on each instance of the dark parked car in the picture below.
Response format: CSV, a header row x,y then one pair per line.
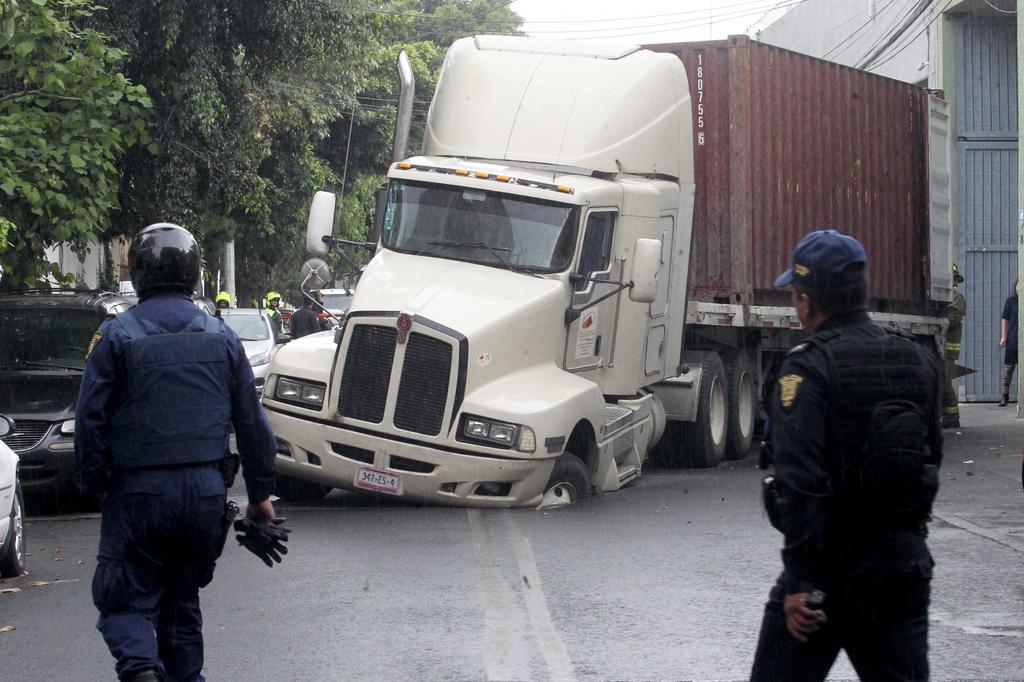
x,y
44,337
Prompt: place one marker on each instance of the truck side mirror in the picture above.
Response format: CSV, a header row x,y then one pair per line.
x,y
320,224
646,263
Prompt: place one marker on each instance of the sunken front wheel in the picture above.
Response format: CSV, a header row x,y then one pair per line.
x,y
569,482
12,563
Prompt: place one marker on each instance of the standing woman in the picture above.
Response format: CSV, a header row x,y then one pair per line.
x,y
1008,340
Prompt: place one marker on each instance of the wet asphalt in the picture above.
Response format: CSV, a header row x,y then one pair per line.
x,y
664,580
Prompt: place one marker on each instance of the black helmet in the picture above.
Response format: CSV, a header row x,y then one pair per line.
x,y
164,256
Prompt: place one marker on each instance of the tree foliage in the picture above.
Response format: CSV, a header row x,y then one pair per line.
x,y
67,115
256,104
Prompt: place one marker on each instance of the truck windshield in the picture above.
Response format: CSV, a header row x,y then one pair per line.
x,y
46,338
480,226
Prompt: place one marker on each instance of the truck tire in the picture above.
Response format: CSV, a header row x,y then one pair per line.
x,y
704,440
568,484
741,381
297,490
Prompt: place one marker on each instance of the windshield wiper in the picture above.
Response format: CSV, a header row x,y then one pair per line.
x,y
481,245
50,365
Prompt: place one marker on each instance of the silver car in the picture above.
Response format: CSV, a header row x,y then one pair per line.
x,y
256,333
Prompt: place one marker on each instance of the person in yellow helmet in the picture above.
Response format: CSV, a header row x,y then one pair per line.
x,y
223,300
273,303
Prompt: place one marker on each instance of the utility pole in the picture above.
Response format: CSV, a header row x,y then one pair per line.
x,y
229,271
1020,205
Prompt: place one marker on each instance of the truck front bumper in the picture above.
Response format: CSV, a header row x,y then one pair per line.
x,y
330,455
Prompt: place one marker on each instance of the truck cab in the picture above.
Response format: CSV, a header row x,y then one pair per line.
x,y
528,288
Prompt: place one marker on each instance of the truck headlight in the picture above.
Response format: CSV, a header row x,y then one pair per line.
x,y
497,433
67,427
298,392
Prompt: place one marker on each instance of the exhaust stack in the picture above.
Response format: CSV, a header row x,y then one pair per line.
x,y
403,120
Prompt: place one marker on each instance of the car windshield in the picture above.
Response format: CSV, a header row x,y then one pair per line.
x,y
248,326
337,301
42,337
479,226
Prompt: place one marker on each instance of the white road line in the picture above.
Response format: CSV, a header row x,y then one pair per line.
x,y
496,606
548,638
989,533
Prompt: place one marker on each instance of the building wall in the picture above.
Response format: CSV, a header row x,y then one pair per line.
x,y
986,226
865,34
86,267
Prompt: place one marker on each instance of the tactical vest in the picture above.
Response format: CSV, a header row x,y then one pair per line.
x,y
175,404
879,461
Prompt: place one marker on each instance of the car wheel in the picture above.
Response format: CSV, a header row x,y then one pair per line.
x,y
569,483
12,564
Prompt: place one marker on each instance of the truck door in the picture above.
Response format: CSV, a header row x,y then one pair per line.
x,y
591,336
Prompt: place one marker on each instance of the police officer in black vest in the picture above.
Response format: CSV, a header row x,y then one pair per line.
x,y
164,382
856,444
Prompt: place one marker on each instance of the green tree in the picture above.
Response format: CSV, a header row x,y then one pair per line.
x,y
67,114
425,29
244,92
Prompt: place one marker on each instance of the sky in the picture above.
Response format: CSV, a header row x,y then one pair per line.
x,y
647,21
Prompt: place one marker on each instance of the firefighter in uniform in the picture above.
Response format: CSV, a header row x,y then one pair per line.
x,y
163,384
273,300
223,300
955,313
856,444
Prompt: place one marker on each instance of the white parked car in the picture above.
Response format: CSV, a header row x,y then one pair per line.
x,y
256,333
12,509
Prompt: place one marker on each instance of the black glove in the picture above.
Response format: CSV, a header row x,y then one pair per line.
x,y
263,538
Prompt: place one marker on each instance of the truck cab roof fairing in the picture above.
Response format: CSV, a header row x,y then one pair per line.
x,y
599,108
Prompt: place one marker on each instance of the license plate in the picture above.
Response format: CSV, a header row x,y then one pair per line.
x,y
378,481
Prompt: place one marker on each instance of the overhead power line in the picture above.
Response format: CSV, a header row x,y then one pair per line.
x,y
916,36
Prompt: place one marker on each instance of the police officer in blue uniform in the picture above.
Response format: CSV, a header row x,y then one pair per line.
x,y
164,382
856,444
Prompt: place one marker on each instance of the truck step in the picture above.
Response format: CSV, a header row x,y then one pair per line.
x,y
615,418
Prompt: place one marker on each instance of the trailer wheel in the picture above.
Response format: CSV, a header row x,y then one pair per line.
x,y
704,440
569,482
741,380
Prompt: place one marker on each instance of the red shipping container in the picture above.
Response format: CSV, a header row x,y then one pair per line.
x,y
784,144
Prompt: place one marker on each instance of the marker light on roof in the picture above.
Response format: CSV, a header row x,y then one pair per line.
x,y
483,175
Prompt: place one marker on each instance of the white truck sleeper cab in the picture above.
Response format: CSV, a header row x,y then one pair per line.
x,y
500,343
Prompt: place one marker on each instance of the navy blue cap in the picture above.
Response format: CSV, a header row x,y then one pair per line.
x,y
822,260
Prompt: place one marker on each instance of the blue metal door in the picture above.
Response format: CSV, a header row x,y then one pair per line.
x,y
986,147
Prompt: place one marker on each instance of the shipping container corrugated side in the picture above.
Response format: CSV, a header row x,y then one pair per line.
x,y
784,144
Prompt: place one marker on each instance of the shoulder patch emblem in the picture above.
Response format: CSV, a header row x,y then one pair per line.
x,y
788,386
92,344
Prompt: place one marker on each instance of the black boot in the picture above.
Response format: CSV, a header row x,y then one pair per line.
x,y
148,675
1006,399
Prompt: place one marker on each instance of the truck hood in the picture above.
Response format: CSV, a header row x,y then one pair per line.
x,y
39,394
475,300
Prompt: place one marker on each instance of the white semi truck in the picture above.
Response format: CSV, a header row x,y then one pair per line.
x,y
523,335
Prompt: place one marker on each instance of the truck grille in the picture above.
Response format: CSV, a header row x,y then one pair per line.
x,y
364,383
28,433
423,392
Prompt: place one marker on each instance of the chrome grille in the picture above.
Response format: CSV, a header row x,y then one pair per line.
x,y
364,383
28,433
423,393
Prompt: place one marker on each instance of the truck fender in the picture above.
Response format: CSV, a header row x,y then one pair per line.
x,y
679,393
